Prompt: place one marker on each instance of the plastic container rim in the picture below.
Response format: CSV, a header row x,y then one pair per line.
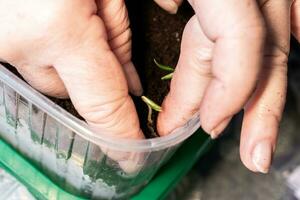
x,y
81,128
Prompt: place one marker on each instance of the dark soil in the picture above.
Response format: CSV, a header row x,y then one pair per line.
x,y
156,35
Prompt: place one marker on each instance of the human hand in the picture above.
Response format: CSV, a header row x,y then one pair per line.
x,y
234,56
76,48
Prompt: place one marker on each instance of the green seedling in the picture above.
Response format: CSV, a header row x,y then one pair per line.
x,y
165,68
167,77
151,106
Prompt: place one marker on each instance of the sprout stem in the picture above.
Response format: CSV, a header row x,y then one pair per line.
x,y
149,117
167,77
151,103
164,67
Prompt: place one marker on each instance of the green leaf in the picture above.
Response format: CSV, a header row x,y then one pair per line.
x,y
151,103
164,67
167,77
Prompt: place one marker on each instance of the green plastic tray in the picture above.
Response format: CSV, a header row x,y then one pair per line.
x,y
159,187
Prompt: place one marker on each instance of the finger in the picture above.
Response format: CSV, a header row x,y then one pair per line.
x,y
97,87
238,30
264,110
261,120
115,17
169,5
295,19
44,79
189,81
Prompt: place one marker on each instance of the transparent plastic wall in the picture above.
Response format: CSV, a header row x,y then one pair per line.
x,y
79,161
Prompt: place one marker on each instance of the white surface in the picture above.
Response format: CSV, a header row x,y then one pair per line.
x,y
12,189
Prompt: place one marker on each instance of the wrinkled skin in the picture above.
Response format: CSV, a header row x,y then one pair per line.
x,y
76,48
233,56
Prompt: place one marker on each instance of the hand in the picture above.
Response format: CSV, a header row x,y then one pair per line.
x,y
233,56
81,49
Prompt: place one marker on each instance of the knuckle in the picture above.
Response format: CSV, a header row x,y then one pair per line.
x,y
68,16
199,60
268,112
115,17
126,57
120,19
275,68
276,58
123,53
121,39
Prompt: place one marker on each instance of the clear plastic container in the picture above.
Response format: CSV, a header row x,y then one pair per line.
x,y
66,150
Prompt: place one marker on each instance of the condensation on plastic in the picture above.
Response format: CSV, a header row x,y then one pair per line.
x,y
66,150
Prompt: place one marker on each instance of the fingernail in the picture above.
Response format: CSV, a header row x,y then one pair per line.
x,y
168,5
262,156
219,128
132,164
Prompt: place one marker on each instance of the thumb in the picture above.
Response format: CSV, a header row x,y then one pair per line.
x,y
214,65
190,80
97,87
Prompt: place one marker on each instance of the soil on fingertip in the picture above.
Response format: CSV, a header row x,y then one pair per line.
x,y
156,34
